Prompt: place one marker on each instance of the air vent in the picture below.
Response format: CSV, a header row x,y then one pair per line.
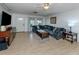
x,y
35,12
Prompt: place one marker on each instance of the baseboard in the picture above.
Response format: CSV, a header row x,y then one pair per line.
x,y
24,32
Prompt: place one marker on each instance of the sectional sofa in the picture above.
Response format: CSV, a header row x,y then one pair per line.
x,y
55,32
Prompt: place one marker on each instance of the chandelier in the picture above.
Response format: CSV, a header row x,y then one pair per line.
x,y
46,6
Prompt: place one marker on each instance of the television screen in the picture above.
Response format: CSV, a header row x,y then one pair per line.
x,y
6,19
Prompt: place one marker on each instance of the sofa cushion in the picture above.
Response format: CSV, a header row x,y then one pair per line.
x,y
54,30
41,27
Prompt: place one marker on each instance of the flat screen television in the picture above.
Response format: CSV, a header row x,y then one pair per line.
x,y
6,19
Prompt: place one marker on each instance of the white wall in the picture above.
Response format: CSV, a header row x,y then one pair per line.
x,y
63,19
15,17
1,9
4,9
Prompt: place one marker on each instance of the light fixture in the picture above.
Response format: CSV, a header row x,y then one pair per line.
x,y
46,6
20,18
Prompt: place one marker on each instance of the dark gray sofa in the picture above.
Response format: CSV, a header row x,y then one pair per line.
x,y
53,31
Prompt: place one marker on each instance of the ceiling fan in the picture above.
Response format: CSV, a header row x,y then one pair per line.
x,y
45,6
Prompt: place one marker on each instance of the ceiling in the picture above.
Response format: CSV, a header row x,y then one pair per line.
x,y
29,8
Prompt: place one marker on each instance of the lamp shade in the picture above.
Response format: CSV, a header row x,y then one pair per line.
x,y
3,28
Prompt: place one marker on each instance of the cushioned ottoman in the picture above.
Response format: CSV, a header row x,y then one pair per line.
x,y
3,44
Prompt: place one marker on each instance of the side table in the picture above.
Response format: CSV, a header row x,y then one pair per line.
x,y
72,36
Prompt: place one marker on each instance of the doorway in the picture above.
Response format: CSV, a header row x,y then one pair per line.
x,y
20,25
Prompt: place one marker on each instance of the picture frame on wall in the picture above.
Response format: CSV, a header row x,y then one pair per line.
x,y
53,20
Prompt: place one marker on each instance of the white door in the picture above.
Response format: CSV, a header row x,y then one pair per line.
x,y
20,25
26,25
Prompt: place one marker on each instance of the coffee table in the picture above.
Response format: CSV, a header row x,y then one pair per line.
x,y
43,34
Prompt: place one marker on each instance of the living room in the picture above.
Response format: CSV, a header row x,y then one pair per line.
x,y
35,19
